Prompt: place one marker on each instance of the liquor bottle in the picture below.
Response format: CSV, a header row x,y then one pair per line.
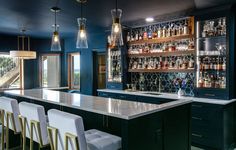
x,y
136,36
154,33
200,81
168,34
128,37
164,31
191,63
224,27
160,66
224,64
140,34
219,28
145,34
159,32
150,32
186,27
132,36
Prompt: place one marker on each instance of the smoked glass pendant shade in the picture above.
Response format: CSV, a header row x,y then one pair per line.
x,y
82,35
116,31
55,45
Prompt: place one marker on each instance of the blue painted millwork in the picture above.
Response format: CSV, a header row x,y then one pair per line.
x,y
96,42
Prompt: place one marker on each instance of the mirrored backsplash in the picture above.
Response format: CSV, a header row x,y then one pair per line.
x,y
164,82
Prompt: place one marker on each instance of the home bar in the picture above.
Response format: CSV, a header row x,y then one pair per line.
x,y
117,75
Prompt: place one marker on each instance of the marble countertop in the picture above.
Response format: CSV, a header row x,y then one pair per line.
x,y
107,106
170,96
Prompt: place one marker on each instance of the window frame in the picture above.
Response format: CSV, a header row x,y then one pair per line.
x,y
41,68
21,74
69,75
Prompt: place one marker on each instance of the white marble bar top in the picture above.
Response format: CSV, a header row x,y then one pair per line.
x,y
106,106
170,96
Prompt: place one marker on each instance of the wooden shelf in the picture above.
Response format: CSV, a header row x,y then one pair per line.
x,y
162,70
174,53
161,40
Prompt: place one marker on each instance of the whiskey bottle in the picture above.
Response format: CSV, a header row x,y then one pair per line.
x,y
145,34
224,64
136,36
140,35
186,28
128,37
164,31
150,33
159,32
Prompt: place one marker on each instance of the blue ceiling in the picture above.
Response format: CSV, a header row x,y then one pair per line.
x,y
36,16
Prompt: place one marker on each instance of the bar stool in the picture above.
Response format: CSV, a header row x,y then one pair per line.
x,y
34,124
71,127
9,111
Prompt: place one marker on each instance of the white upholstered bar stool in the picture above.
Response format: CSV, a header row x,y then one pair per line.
x,y
70,127
34,124
9,111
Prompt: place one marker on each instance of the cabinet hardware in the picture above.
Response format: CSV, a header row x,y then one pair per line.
x,y
196,118
197,135
210,95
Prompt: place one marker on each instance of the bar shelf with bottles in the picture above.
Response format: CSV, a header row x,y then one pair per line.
x,y
165,47
114,64
211,54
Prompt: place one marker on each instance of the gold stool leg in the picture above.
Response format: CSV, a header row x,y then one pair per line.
x,y
22,121
2,113
73,138
7,133
31,137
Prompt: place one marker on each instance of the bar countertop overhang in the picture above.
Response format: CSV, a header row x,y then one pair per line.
x,y
106,106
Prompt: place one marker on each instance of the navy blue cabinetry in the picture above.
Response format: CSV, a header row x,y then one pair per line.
x,y
129,97
212,126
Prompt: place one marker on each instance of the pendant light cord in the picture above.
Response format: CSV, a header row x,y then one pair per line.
x,y
116,7
81,10
55,20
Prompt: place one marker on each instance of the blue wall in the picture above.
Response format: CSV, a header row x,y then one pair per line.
x,y
96,41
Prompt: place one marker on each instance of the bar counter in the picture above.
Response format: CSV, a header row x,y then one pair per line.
x,y
140,125
105,106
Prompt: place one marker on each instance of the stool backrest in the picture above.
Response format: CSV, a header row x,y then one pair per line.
x,y
67,123
11,105
34,112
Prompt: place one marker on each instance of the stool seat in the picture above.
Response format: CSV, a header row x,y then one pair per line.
x,y
88,140
98,140
11,105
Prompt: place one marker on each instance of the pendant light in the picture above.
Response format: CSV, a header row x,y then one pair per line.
x,y
82,35
116,31
55,45
23,53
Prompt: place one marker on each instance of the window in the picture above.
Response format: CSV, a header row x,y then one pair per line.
x,y
50,70
11,72
74,71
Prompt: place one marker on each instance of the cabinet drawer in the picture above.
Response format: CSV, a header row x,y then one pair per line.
x,y
203,112
152,100
203,136
126,97
107,95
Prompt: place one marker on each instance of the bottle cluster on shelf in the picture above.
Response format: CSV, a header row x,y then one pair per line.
x,y
162,63
175,28
114,65
212,63
214,27
180,45
209,80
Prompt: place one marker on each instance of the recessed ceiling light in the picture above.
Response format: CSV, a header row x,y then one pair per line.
x,y
149,19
